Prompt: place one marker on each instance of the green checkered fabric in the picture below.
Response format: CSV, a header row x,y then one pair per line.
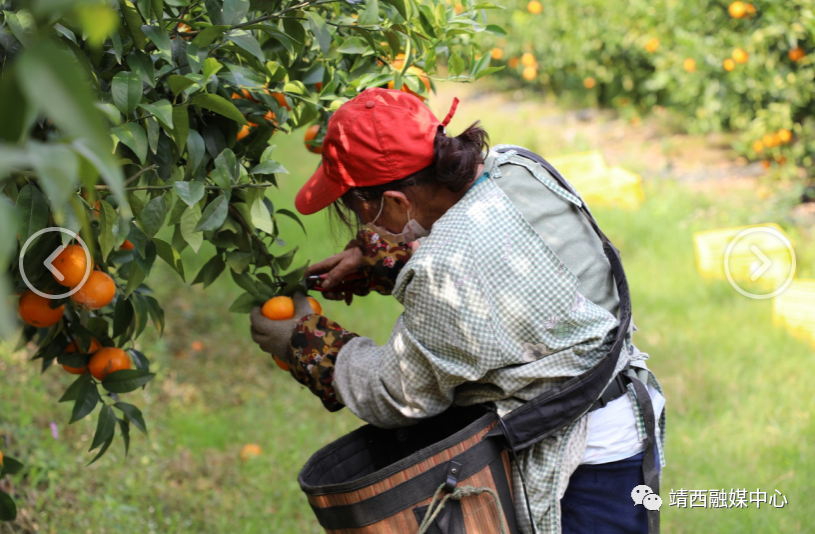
x,y
490,314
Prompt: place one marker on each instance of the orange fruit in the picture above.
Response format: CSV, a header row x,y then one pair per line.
x,y
513,62
281,99
534,7
689,64
184,28
37,311
280,363
318,86
72,263
96,293
270,116
244,131
652,45
251,450
737,9
758,146
311,134
729,64
1,458
751,9
278,308
244,93
108,360
777,139
740,56
315,305
769,140
74,347
766,164
458,9
530,73
127,245
497,53
785,135
589,83
197,345
418,72
528,60
796,54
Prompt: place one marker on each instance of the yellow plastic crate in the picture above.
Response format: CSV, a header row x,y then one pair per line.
x,y
711,246
794,308
597,183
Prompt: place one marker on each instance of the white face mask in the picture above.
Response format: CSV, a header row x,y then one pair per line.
x,y
411,232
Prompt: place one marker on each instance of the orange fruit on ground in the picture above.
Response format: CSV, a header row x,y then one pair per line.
x,y
278,308
740,56
127,245
513,62
281,99
689,64
72,263
280,363
530,73
785,135
796,54
652,45
251,450
758,146
497,53
737,9
589,83
422,76
197,345
311,134
729,64
534,7
74,347
528,60
96,293
108,360
315,305
37,311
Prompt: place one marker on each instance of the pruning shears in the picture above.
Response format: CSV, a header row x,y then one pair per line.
x,y
349,283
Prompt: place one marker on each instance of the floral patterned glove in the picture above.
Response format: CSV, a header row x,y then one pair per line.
x,y
381,259
315,343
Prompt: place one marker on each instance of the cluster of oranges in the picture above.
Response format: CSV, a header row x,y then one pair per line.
x,y
770,140
103,361
282,309
269,116
739,9
738,56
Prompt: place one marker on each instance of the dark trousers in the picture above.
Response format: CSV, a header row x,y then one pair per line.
x,y
598,499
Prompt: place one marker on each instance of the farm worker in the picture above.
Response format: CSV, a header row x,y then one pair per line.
x,y
506,293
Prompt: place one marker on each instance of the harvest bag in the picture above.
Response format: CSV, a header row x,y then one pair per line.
x,y
450,474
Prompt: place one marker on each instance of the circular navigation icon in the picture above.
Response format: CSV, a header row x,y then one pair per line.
x,y
760,256
49,262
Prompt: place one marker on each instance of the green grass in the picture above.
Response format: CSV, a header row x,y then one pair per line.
x,y
738,391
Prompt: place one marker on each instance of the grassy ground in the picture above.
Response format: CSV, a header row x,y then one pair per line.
x,y
738,394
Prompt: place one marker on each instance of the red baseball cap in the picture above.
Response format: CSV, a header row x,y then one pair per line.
x,y
379,136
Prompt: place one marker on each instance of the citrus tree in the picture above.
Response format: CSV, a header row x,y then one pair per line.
x,y
147,127
721,65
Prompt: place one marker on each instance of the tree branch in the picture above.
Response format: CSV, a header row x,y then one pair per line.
x,y
237,216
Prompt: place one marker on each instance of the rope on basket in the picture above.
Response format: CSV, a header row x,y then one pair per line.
x,y
458,494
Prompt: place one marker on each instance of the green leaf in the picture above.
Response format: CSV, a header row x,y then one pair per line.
x,y
208,35
400,7
214,215
353,45
103,450
126,89
320,30
234,11
124,425
189,192
488,70
179,83
135,279
245,303
227,161
163,110
292,215
72,392
122,316
181,119
140,63
371,13
139,360
238,261
146,261
132,135
269,167
247,41
105,427
456,64
153,216
160,39
221,106
170,255
133,415
87,397
126,380
107,220
195,150
8,510
211,66
495,29
57,169
210,271
134,22
261,217
10,466
32,211
156,314
189,221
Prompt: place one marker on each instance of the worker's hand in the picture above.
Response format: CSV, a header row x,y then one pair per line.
x,y
275,336
337,267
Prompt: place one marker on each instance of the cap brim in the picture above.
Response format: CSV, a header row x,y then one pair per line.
x,y
318,193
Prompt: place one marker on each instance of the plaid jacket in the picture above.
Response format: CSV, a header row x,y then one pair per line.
x,y
490,314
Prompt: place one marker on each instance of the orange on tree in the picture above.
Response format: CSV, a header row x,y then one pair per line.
x,y
72,263
785,135
751,9
184,28
127,245
458,9
246,94
652,45
280,363
281,99
769,140
740,56
737,9
74,347
534,7
37,310
311,134
729,64
278,308
758,146
513,62
318,86
689,64
589,83
315,305
796,54
528,60
497,53
250,450
96,293
1,457
422,76
530,73
108,360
